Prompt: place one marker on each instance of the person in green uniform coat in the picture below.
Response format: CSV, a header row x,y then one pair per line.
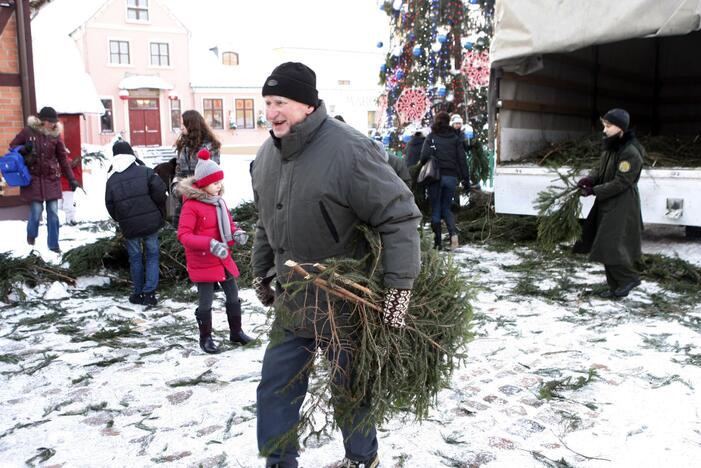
x,y
612,231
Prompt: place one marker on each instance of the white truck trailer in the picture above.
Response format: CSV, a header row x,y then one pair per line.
x,y
557,66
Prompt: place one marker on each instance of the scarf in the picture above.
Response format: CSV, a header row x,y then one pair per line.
x,y
222,217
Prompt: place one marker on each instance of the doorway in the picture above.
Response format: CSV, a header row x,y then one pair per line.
x,y
144,122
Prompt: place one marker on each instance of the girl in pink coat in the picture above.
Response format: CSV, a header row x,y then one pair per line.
x,y
206,230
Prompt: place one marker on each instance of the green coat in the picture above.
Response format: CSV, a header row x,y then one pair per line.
x,y
614,225
312,188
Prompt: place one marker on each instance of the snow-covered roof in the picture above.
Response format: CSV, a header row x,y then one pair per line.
x,y
144,81
59,72
65,16
207,70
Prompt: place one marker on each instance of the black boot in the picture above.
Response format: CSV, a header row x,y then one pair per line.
x,y
204,321
437,241
233,315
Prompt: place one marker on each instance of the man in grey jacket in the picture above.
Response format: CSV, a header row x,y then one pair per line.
x,y
314,181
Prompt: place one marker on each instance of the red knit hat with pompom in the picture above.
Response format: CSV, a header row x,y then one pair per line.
x,y
206,171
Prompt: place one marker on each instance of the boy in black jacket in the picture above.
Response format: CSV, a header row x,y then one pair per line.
x,y
135,198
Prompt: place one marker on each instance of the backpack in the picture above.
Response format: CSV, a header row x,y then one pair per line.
x,y
14,170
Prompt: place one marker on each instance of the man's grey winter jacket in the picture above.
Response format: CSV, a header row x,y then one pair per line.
x,y
312,188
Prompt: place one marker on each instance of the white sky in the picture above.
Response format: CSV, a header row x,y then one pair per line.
x,y
343,24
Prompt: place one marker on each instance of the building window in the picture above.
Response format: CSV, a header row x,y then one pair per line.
x,y
119,52
230,58
106,119
175,114
160,56
214,112
244,113
137,10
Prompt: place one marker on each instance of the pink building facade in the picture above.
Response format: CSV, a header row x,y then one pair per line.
x,y
139,56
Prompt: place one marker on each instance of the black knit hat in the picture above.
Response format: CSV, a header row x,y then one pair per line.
x,y
293,80
122,147
49,114
618,117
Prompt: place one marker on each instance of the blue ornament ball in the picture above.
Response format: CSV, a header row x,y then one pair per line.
x,y
379,45
474,2
441,91
383,67
406,138
416,51
412,36
468,45
400,74
442,38
385,140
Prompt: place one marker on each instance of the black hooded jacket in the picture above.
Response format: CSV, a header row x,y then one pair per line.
x,y
413,149
134,198
450,154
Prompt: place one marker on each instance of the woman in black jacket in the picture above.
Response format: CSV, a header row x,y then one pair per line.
x,y
444,145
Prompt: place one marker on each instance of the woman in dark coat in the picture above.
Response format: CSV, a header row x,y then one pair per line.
x,y
444,145
195,135
46,159
413,148
613,229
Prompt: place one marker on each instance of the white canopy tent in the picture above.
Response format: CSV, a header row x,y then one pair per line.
x,y
524,28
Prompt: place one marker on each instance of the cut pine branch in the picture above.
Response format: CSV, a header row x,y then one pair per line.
x,y
398,370
559,210
346,281
330,288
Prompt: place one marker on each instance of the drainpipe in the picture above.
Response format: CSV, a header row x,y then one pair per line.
x,y
26,67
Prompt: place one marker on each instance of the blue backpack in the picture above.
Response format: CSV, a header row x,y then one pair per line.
x,y
14,170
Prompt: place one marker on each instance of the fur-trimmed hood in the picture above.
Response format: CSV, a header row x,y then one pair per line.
x,y
35,124
187,189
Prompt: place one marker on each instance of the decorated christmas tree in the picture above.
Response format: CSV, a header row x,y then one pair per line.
x,y
437,60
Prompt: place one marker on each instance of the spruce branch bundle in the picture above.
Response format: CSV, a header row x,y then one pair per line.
x,y
110,254
584,152
559,209
480,167
394,371
31,270
478,222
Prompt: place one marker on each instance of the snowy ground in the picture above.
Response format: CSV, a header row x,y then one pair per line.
x,y
91,380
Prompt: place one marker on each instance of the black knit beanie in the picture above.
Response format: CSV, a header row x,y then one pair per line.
x,y
122,147
48,114
619,117
295,81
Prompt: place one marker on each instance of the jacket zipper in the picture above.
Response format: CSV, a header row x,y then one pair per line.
x,y
328,221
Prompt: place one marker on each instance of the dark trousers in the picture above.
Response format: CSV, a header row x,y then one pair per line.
x,y
440,195
206,292
281,392
618,276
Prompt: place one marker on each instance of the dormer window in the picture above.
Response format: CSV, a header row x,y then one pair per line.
x,y
137,10
230,58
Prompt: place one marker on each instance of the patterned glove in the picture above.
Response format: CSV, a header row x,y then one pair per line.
x,y
587,190
218,249
264,292
396,306
240,237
